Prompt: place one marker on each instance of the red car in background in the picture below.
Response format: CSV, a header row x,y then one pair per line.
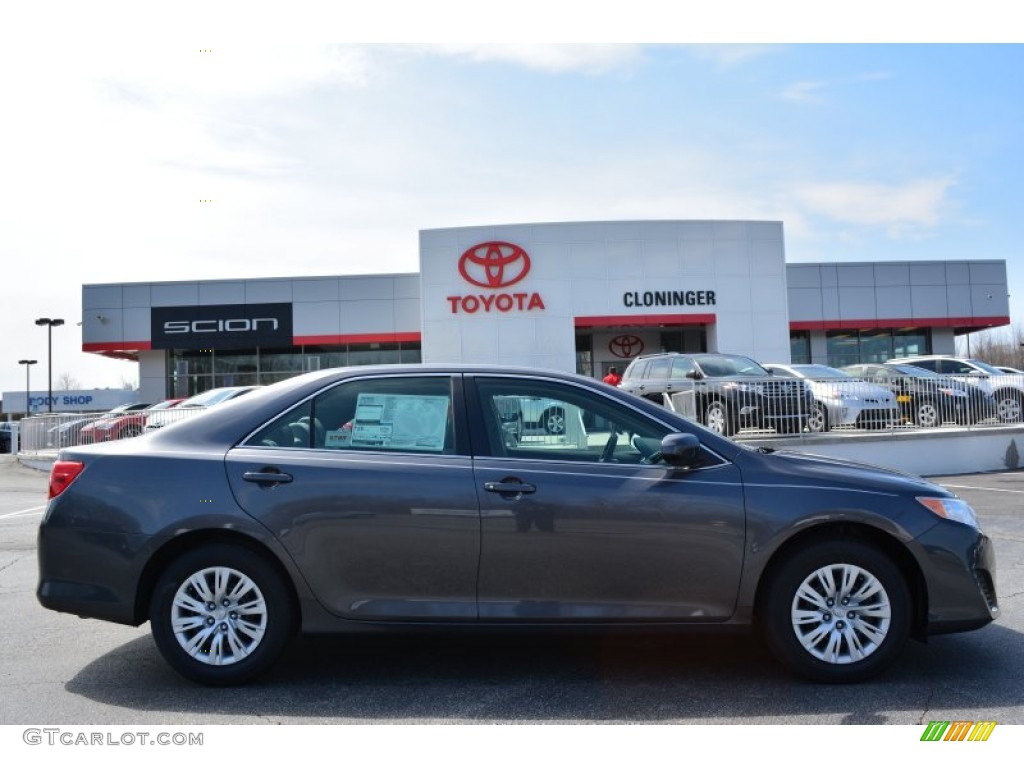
x,y
129,424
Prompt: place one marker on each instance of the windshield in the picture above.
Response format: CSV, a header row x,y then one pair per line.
x,y
730,365
913,370
210,397
990,369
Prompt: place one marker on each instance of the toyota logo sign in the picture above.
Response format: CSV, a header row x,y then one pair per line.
x,y
626,345
494,265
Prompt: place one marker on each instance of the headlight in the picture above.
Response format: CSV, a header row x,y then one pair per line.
x,y
953,392
950,509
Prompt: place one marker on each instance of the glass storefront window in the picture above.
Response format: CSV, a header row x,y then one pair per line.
x,y
874,345
195,371
843,348
800,347
373,354
911,341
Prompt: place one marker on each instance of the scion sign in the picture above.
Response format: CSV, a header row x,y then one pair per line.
x,y
231,326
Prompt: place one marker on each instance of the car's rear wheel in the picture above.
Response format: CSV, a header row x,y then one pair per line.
x,y
220,614
1009,406
837,612
718,418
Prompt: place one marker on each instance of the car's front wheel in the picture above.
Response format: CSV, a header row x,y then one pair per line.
x,y
220,614
927,414
837,611
554,421
817,420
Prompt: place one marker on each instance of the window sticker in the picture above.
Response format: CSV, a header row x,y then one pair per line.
x,y
395,422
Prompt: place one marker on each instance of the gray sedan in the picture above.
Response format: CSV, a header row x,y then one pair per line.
x,y
396,498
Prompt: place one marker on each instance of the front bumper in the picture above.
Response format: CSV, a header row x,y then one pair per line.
x,y
959,568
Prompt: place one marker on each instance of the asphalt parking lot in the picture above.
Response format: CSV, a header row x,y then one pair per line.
x,y
60,669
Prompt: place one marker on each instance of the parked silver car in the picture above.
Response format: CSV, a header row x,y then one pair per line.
x,y
193,405
841,400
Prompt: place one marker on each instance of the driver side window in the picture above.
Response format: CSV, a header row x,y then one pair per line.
x,y
559,422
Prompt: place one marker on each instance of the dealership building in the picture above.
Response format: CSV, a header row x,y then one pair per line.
x,y
577,296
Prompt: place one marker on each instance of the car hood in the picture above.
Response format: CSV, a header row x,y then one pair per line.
x,y
852,389
799,468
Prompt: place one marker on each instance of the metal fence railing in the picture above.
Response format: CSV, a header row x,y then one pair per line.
x,y
53,431
808,406
780,406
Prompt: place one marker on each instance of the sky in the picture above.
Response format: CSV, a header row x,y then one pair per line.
x,y
156,149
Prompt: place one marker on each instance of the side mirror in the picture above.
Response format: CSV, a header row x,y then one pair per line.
x,y
680,449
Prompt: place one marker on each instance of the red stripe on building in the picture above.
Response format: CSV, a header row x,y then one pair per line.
x,y
359,338
593,321
899,322
115,346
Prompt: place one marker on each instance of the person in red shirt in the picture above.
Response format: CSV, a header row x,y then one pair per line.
x,y
613,377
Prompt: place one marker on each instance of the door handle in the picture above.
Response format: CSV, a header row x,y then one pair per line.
x,y
510,488
267,478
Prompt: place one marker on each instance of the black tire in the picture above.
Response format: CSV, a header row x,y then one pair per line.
x,y
255,637
133,431
553,421
719,418
813,638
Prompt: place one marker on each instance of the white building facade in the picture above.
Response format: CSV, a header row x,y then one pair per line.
x,y
576,296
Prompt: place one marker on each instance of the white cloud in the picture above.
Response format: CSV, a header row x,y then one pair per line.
x,y
901,209
587,59
804,91
727,56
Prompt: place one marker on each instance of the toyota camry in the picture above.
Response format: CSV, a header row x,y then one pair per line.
x,y
395,497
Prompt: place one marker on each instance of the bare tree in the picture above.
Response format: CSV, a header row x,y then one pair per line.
x,y
67,382
999,346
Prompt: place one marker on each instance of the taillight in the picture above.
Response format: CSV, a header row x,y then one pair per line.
x,y
62,475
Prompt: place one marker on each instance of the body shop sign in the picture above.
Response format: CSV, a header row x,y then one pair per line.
x,y
495,267
221,326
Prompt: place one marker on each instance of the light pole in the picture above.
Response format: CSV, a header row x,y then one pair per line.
x,y
49,322
28,387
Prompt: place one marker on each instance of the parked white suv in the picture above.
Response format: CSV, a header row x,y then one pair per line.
x,y
1006,388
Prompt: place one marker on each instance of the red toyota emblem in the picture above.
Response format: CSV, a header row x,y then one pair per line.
x,y
494,265
626,345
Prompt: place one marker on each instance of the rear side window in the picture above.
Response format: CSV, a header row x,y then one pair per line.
x,y
659,368
399,414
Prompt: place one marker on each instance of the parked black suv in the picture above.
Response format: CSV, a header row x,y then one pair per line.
x,y
5,436
723,392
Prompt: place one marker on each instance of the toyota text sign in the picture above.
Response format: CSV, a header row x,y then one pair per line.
x,y
495,266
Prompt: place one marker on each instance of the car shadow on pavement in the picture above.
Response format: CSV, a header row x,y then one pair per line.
x,y
535,678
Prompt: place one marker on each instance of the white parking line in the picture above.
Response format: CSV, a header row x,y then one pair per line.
x,y
981,488
32,510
